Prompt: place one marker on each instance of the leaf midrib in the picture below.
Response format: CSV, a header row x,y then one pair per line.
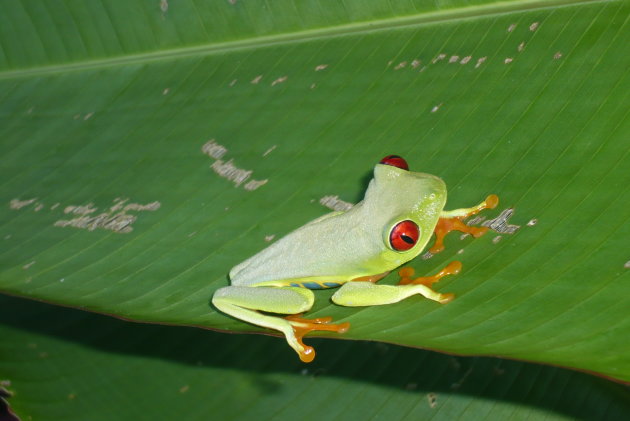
x,y
427,18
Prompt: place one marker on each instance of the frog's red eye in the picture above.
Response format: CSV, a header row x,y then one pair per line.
x,y
404,235
395,161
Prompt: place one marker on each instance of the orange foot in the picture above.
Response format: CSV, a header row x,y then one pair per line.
x,y
446,225
302,327
406,274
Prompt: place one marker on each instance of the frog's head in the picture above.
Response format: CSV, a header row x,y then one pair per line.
x,y
408,205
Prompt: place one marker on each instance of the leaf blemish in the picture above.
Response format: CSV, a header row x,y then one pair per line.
x,y
436,107
465,60
165,91
496,239
501,224
416,63
17,204
231,172
401,65
557,55
213,149
532,222
256,80
480,61
432,399
233,82
521,47
28,265
227,169
335,203
269,238
534,26
88,116
508,60
511,27
254,184
627,265
268,151
453,59
115,219
279,80
320,67
438,58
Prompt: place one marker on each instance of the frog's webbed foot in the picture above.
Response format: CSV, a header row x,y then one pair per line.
x,y
452,221
302,327
406,274
406,278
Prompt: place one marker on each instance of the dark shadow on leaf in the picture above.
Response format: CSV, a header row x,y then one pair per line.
x,y
5,411
423,373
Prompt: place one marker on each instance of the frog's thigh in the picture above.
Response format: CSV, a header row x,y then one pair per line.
x,y
242,302
285,300
358,294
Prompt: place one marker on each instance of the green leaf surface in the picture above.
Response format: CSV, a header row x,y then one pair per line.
x,y
107,102
81,366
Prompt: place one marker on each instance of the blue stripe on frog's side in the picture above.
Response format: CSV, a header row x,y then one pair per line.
x,y
316,285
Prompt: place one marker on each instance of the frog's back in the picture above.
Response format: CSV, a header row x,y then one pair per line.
x,y
302,256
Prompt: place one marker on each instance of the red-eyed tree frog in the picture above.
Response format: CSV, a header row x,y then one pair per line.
x,y
349,249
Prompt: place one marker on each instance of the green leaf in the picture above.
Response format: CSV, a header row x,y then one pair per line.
x,y
79,365
108,105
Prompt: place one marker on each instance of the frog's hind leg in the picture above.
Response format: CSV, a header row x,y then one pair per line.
x,y
452,221
245,303
357,294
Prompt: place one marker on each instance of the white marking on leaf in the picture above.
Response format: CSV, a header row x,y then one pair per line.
x,y
268,151
279,80
213,149
334,203
438,58
254,184
501,224
436,107
17,204
231,172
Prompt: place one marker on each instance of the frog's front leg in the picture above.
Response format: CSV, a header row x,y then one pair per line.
x,y
359,294
242,302
452,221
